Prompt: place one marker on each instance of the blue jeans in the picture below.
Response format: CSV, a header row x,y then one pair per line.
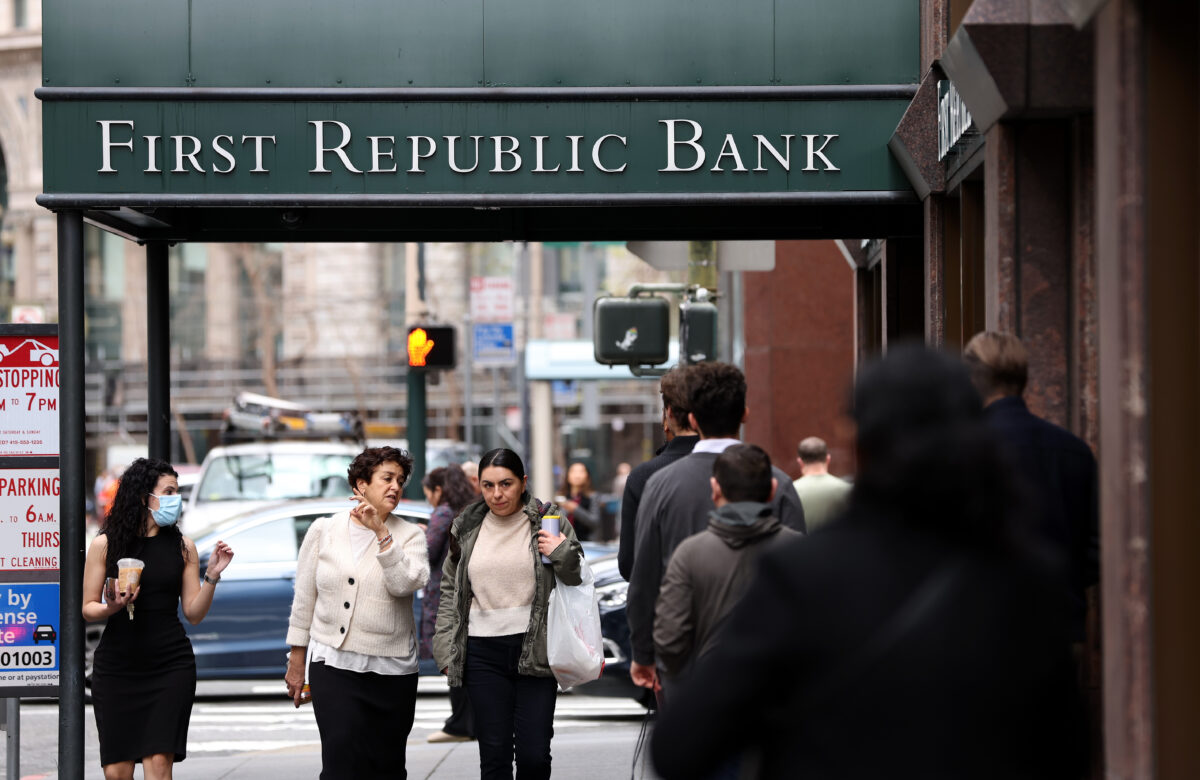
x,y
514,713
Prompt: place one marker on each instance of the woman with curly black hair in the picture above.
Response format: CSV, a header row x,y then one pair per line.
x,y
144,673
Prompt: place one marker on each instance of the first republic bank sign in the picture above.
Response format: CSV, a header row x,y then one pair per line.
x,y
210,150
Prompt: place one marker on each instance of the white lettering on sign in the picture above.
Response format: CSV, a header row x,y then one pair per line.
x,y
335,148
29,526
954,118
184,148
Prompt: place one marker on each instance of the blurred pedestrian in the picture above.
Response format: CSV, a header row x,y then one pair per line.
x,y
144,674
448,490
1059,468
678,500
491,628
915,638
709,572
578,500
681,437
620,477
471,470
353,614
823,495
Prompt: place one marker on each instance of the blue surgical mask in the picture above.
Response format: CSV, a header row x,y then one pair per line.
x,y
168,509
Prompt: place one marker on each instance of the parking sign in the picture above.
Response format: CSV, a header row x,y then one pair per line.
x,y
28,395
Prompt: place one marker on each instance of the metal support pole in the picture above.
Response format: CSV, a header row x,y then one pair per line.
x,y
521,383
468,355
158,353
72,490
12,739
417,431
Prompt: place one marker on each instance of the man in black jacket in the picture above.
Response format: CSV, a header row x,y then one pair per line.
x,y
1058,467
678,500
681,438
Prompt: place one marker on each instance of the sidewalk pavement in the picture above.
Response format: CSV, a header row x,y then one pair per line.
x,y
599,754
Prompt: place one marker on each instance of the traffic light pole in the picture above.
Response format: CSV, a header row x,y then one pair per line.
x,y
417,431
415,379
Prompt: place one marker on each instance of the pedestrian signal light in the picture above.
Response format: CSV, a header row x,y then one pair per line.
x,y
631,331
431,346
697,332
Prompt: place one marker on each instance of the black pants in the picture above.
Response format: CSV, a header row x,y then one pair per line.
x,y
461,722
364,720
514,713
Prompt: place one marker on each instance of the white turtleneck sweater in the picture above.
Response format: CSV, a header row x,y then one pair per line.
x,y
502,573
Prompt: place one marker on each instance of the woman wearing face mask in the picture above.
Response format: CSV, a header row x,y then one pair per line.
x,y
144,673
491,626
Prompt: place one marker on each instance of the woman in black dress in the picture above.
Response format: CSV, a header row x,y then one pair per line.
x,y
144,673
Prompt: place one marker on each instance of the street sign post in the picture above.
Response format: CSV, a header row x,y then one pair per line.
x,y
494,344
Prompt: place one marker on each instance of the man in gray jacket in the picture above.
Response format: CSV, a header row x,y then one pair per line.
x,y
710,571
678,499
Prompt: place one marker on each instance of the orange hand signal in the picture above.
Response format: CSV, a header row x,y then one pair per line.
x,y
419,347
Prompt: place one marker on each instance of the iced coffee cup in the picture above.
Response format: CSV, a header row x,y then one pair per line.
x,y
129,575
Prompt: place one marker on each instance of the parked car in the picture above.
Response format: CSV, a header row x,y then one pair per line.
x,y
611,592
242,477
243,635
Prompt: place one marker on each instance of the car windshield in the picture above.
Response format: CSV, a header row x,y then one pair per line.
x,y
275,477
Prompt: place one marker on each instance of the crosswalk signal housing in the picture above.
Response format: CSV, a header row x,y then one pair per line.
x,y
631,331
431,346
697,332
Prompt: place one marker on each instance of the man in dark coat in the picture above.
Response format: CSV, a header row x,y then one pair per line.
x,y
915,638
677,501
1058,467
681,438
710,571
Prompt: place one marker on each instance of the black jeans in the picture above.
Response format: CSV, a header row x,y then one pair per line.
x,y
514,713
364,720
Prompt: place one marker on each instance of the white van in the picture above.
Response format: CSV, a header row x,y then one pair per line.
x,y
241,477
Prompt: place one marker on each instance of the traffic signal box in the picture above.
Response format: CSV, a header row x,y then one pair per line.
x,y
432,346
637,331
632,331
697,332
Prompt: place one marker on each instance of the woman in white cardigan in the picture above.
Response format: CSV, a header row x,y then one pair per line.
x,y
353,614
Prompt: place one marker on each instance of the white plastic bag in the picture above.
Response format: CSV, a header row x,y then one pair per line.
x,y
574,644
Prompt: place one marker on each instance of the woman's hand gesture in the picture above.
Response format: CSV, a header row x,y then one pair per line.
x,y
366,515
222,554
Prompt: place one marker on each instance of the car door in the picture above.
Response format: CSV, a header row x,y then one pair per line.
x,y
245,630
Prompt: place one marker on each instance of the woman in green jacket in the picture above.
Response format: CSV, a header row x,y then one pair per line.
x,y
491,626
